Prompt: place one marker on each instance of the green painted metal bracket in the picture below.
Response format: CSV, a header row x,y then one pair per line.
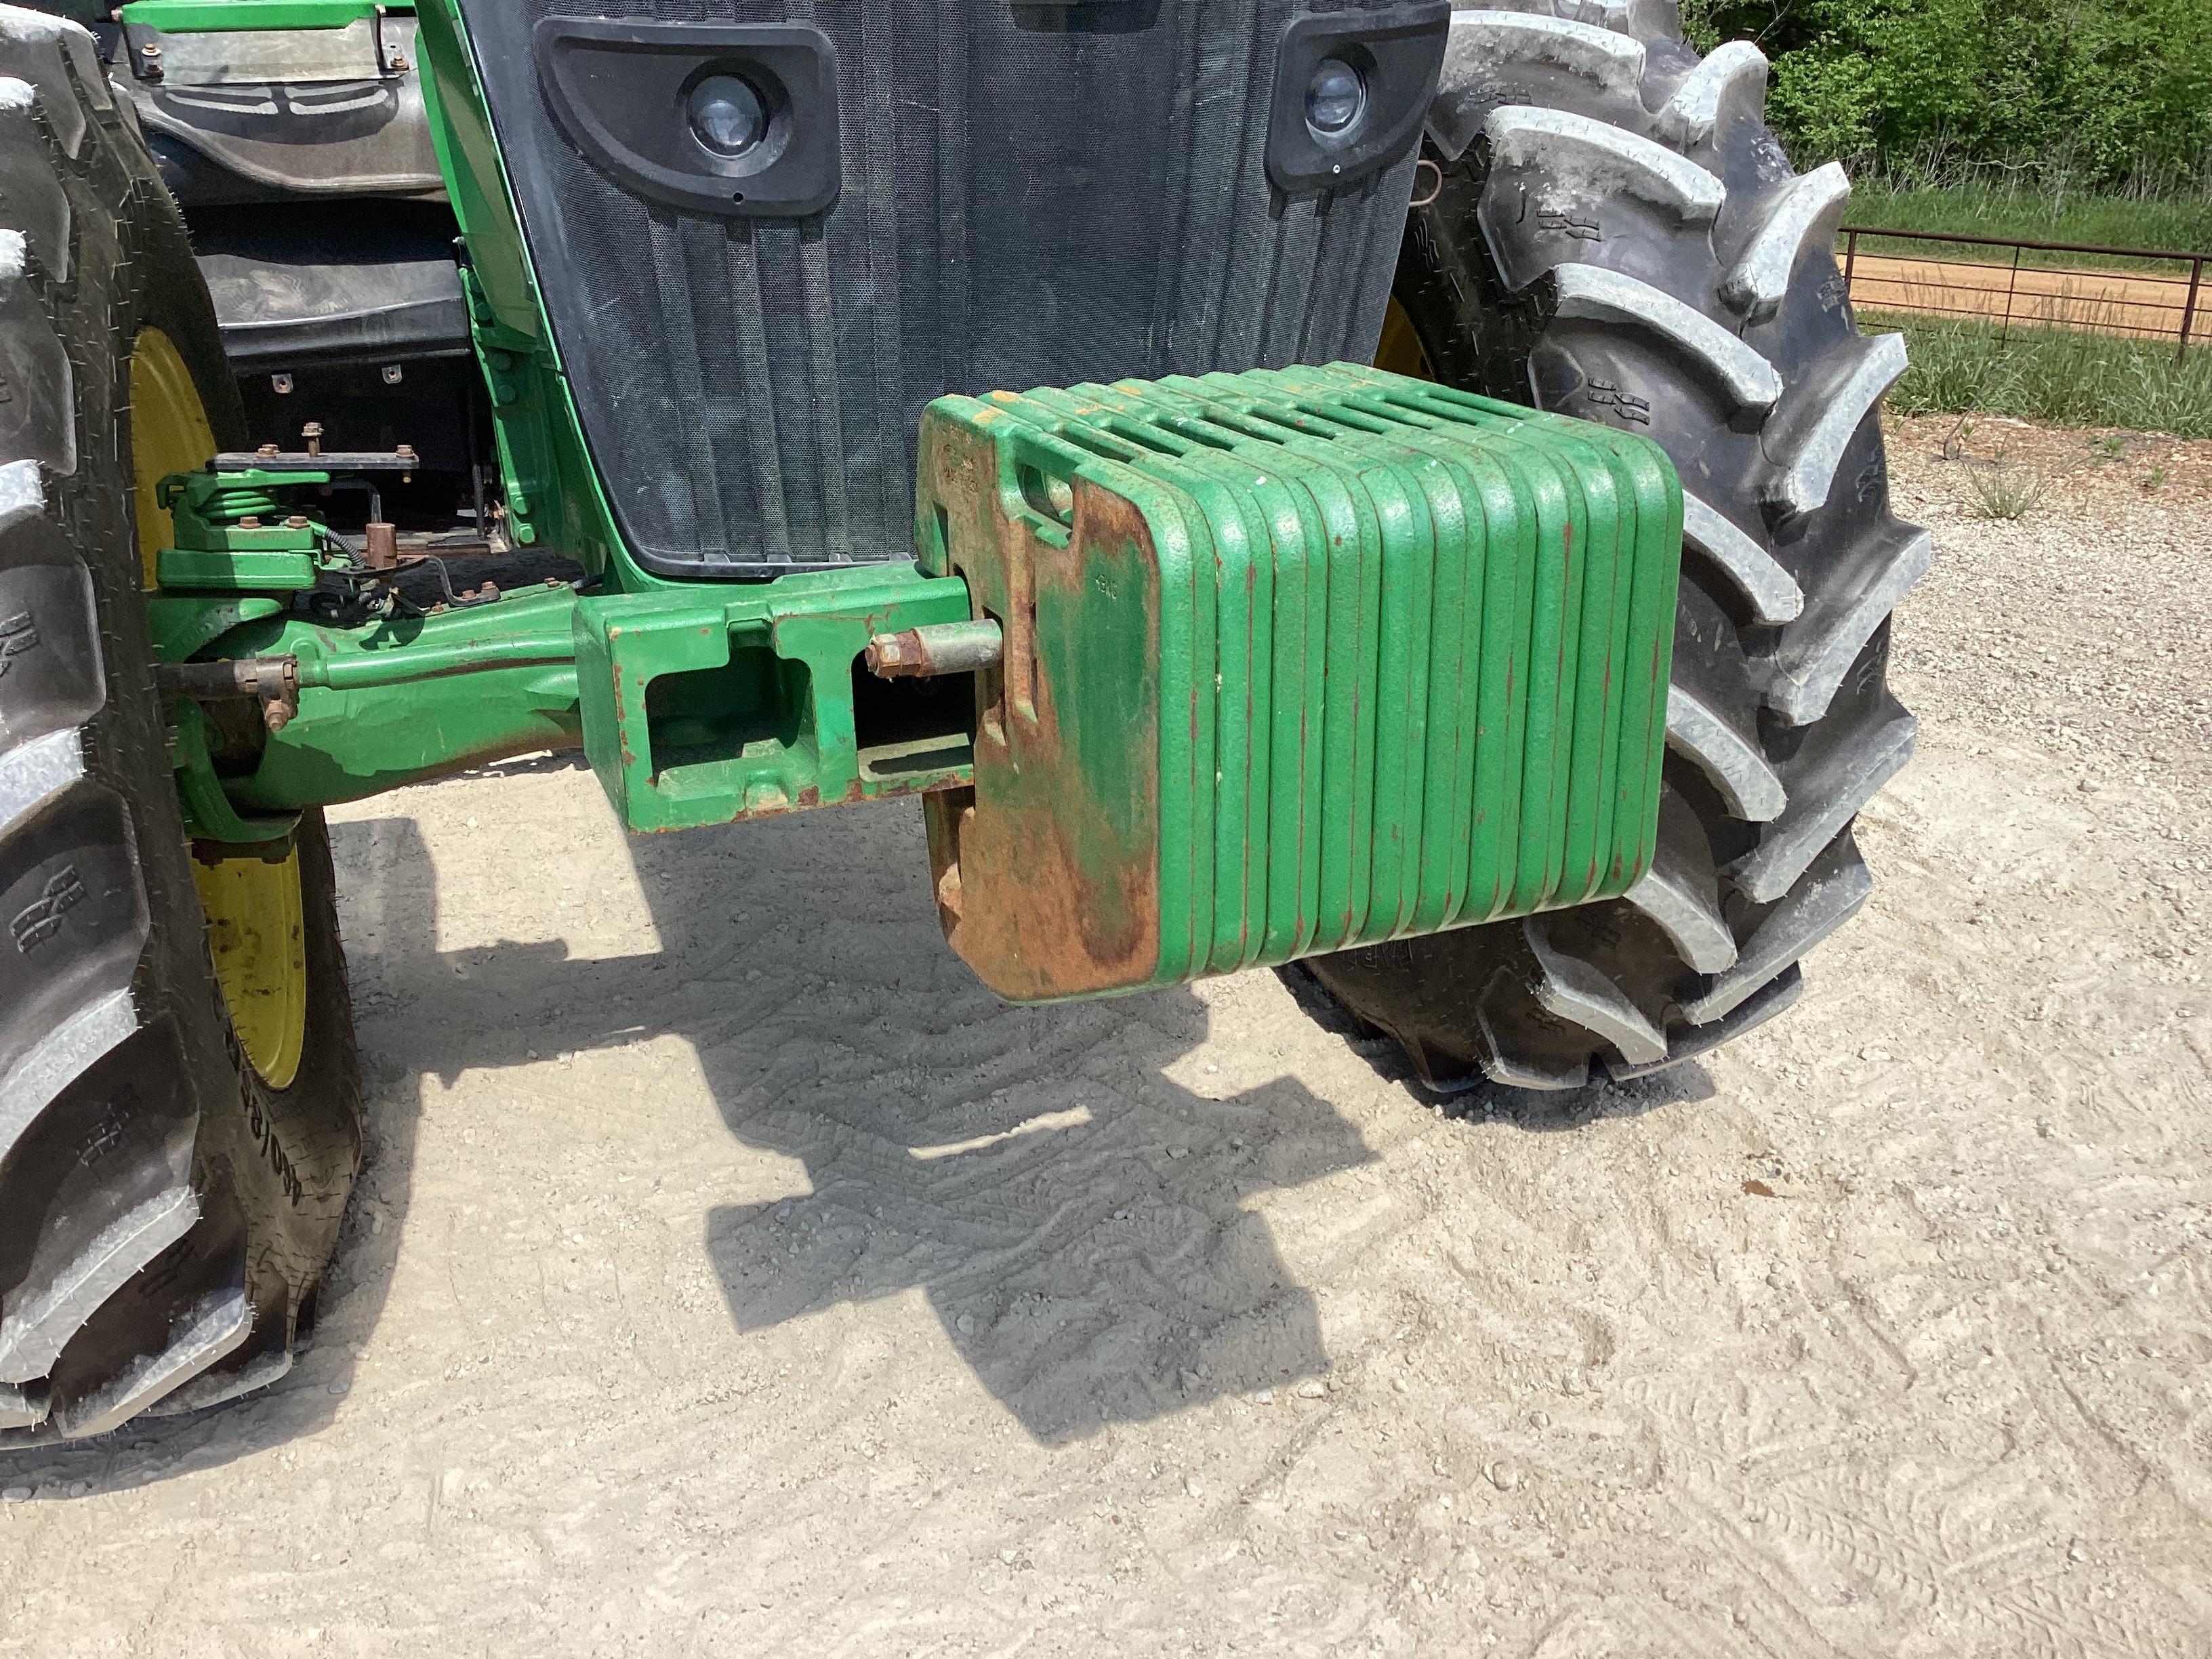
x,y
230,566
712,704
260,570
405,700
210,813
234,533
695,707
184,625
227,16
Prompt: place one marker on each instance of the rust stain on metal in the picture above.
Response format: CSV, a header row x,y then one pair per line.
x,y
933,649
1042,888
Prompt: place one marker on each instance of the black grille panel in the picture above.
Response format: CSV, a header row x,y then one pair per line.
x,y
1032,194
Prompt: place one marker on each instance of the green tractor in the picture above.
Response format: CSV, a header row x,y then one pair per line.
x,y
1386,489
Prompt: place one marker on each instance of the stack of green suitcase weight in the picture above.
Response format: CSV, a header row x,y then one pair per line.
x,y
1296,660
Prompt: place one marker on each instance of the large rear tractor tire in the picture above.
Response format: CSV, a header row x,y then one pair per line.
x,y
1615,234
179,1088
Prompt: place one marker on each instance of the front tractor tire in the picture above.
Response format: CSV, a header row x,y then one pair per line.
x,y
1614,234
179,1088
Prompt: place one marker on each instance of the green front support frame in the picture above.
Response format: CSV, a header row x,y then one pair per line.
x,y
745,701
695,707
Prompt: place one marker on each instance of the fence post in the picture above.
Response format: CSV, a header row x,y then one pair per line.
x,y
1850,258
2189,305
2012,289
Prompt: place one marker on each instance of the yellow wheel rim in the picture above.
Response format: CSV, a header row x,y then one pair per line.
x,y
257,938
256,931
1400,351
169,433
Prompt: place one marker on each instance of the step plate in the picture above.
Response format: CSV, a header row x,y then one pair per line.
x,y
1295,660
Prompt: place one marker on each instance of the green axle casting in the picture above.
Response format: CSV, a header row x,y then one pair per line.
x,y
697,707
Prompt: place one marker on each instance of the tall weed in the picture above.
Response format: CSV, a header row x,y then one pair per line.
x,y
2055,377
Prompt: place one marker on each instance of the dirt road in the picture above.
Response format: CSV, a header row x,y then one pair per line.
x,y
733,1276
2142,306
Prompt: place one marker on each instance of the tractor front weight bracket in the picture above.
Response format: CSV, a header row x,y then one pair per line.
x,y
1195,674
299,678
712,704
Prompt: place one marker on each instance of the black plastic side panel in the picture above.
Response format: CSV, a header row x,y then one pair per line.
x,y
315,286
1028,195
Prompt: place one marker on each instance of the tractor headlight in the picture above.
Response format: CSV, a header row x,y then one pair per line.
x,y
1335,98
728,116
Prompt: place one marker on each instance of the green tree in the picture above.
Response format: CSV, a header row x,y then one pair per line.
x,y
2112,93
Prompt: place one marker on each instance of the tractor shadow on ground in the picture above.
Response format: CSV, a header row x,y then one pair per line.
x,y
1075,1218
1057,1181
1075,1215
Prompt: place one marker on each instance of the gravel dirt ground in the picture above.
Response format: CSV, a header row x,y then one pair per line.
x,y
732,1275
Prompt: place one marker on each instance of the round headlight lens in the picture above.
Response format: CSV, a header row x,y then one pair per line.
x,y
728,116
1335,97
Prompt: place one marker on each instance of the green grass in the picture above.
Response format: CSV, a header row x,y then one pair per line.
x,y
2054,377
2180,223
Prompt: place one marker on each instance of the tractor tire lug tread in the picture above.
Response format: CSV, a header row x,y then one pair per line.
x,y
1594,292
1804,675
1772,997
1805,443
1733,79
1681,892
1730,760
1829,894
1575,279
162,1214
1803,214
209,1333
1766,583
